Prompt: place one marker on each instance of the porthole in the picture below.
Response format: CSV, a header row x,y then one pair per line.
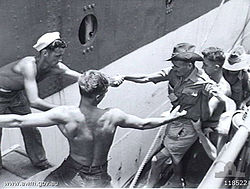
x,y
87,29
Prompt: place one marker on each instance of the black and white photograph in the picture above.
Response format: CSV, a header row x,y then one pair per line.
x,y
125,94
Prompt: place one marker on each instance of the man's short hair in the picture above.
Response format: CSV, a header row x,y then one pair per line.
x,y
214,54
92,83
58,43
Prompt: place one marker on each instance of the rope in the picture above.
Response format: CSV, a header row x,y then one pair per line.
x,y
146,158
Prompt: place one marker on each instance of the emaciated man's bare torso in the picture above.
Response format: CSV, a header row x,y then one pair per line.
x,y
90,134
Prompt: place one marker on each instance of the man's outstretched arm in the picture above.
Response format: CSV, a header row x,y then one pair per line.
x,y
131,121
28,70
43,119
145,78
113,81
68,71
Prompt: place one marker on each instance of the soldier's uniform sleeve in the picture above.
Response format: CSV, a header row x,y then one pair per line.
x,y
160,76
246,81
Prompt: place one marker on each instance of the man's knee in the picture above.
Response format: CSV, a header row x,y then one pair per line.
x,y
160,159
154,159
155,163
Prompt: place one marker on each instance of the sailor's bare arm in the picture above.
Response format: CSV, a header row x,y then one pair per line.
x,y
28,70
114,81
68,71
44,119
131,121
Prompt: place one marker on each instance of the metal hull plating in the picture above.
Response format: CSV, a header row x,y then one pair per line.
x,y
122,27
131,37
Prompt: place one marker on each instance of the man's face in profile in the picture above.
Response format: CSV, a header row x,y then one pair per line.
x,y
180,67
55,56
209,66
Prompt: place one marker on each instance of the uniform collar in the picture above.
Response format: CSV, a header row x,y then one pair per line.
x,y
193,75
240,75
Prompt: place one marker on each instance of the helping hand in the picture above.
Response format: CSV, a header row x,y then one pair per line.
x,y
197,125
216,92
175,113
116,81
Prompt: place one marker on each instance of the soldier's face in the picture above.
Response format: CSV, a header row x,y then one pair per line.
x,y
181,68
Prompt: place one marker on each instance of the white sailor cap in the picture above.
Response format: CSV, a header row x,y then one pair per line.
x,y
45,40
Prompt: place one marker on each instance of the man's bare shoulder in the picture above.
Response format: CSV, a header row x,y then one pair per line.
x,y
113,115
67,108
114,112
70,109
67,112
27,60
27,64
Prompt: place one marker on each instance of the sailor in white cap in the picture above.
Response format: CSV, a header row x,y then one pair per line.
x,y
24,74
46,39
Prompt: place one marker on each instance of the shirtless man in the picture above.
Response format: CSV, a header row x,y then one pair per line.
x,y
89,130
21,77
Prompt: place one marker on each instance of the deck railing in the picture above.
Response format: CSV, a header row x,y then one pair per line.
x,y
223,165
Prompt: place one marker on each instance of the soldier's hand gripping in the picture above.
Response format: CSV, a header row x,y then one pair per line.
x,y
116,81
197,125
